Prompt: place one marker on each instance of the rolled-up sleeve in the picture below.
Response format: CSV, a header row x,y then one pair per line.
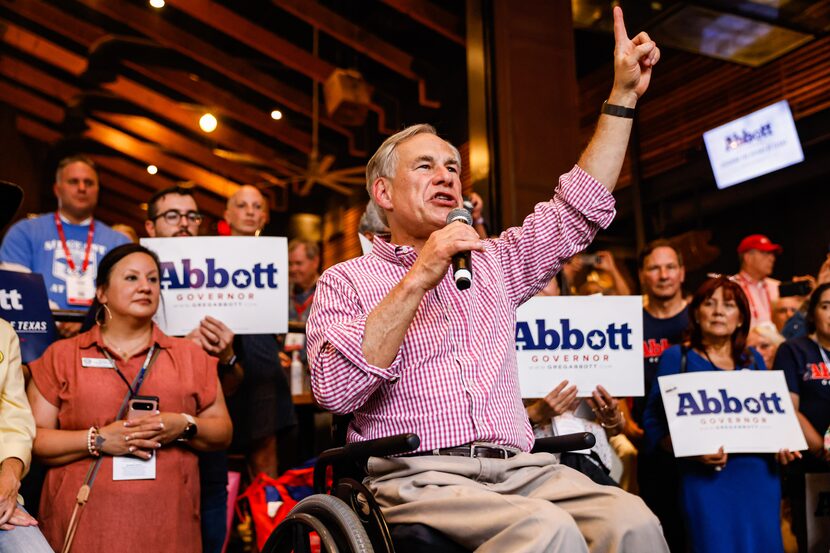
x,y
556,230
341,378
17,425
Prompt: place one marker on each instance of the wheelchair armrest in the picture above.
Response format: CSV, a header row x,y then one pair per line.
x,y
359,452
565,442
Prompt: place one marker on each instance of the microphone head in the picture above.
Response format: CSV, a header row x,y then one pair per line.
x,y
460,214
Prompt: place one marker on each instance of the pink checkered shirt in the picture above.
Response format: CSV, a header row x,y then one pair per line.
x,y
454,380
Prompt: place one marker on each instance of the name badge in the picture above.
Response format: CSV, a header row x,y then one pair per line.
x,y
80,289
97,363
126,467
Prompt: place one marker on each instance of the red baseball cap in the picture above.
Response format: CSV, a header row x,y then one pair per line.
x,y
759,242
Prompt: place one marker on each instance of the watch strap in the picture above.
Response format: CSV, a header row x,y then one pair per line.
x,y
618,111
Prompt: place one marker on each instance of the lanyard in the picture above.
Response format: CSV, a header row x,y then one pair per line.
x,y
89,235
136,385
301,307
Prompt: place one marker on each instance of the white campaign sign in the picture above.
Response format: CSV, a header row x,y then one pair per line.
x,y
743,411
587,340
240,280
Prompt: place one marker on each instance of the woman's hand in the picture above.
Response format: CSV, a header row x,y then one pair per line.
x,y
607,410
19,517
715,460
556,403
128,438
160,429
785,456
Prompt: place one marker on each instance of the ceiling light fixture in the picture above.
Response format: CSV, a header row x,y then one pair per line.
x,y
208,122
276,115
157,3
152,169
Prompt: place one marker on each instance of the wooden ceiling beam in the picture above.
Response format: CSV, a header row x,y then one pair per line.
x,y
241,29
32,44
30,103
189,119
32,77
180,146
36,130
169,35
138,173
226,104
150,154
201,92
433,17
354,36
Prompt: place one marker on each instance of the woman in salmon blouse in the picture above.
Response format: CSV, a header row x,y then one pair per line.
x,y
78,388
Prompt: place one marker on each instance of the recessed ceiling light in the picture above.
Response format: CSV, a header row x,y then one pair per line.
x,y
157,3
152,169
208,122
276,115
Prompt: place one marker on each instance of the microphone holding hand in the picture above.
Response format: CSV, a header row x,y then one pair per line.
x,y
462,267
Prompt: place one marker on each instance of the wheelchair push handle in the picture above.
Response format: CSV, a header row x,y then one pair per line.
x,y
565,442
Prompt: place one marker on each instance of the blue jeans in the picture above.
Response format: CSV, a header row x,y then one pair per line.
x,y
23,538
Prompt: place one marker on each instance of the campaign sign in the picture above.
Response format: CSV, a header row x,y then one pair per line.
x,y
588,340
240,280
24,304
743,411
759,143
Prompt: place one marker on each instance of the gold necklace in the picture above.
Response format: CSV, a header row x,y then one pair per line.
x,y
125,353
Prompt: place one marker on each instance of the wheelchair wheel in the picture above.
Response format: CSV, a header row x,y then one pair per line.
x,y
342,530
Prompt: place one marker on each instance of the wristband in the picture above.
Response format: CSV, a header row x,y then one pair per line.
x,y
618,111
91,435
620,422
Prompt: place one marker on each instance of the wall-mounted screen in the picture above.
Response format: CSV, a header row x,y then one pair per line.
x,y
754,145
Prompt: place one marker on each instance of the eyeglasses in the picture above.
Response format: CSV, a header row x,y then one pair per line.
x,y
173,217
731,278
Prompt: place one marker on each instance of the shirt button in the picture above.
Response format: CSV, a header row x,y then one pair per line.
x,y
394,379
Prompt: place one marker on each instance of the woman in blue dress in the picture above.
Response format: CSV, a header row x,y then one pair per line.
x,y
730,502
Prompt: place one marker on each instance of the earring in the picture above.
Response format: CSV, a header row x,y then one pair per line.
x,y
107,317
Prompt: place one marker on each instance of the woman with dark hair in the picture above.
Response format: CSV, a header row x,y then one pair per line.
x,y
729,502
80,392
806,364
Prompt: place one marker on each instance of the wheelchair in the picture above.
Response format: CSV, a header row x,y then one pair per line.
x,y
345,517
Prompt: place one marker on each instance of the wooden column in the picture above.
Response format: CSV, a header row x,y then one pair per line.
x,y
523,98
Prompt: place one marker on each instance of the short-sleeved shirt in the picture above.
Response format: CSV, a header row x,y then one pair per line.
x,y
809,377
36,245
658,336
135,515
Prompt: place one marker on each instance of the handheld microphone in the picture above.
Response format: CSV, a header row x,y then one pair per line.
x,y
462,267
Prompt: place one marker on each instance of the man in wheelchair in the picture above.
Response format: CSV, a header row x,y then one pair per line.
x,y
392,340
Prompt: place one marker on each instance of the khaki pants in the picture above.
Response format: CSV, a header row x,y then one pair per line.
x,y
528,503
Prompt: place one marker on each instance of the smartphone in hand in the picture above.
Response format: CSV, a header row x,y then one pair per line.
x,y
142,406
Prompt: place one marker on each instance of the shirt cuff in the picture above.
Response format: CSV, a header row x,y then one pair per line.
x,y
348,341
588,196
18,451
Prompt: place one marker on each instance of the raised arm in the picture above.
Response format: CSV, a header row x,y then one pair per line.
x,y
633,63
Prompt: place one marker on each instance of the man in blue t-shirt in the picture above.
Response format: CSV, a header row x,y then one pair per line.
x,y
665,318
64,246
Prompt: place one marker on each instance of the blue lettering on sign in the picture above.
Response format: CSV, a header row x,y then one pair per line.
x,y
713,405
735,140
216,277
614,336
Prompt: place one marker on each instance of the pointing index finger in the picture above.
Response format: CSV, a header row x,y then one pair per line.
x,y
620,34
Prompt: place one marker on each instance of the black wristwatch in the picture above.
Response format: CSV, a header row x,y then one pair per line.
x,y
227,367
189,430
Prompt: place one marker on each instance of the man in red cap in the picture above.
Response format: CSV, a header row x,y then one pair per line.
x,y
757,254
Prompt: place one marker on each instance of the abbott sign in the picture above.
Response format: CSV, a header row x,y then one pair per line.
x,y
586,340
743,411
756,144
242,281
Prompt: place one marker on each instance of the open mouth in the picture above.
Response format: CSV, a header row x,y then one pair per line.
x,y
444,199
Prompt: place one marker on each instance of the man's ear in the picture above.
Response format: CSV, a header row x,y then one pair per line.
x,y
382,193
150,227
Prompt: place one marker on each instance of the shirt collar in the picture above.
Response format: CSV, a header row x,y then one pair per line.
x,y
393,253
85,223
745,276
93,338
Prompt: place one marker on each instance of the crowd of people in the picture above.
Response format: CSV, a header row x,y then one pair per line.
x,y
393,342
